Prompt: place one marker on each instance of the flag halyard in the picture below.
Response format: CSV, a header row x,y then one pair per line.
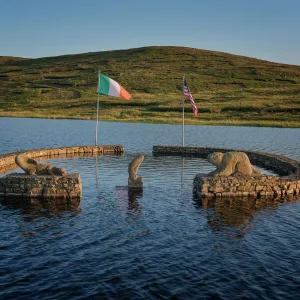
x,y
187,92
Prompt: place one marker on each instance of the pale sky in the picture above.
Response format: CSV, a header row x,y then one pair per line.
x,y
264,29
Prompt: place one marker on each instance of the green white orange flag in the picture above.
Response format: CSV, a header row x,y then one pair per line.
x,y
108,86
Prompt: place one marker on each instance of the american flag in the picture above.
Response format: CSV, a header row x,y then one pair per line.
x,y
187,92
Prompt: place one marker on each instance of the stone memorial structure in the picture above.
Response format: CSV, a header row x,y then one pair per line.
x,y
238,185
44,182
133,180
31,167
231,163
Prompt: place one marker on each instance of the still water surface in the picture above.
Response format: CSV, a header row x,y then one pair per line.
x,y
156,244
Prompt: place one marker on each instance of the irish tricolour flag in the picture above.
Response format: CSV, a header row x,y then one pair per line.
x,y
108,86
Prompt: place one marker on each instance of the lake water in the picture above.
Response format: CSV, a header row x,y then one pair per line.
x,y
156,244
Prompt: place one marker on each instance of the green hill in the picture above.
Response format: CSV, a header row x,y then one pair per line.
x,y
228,89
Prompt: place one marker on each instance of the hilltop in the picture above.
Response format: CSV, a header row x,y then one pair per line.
x,y
228,89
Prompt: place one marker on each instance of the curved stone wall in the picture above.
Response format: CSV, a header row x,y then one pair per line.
x,y
7,161
281,165
243,186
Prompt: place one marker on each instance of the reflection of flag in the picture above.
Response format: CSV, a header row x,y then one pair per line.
x,y
186,92
108,86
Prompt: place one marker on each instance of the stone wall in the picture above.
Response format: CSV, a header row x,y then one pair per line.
x,y
31,188
243,186
279,164
7,161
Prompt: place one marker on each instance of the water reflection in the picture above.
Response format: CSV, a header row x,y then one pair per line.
x,y
182,169
235,215
133,196
40,216
129,199
97,172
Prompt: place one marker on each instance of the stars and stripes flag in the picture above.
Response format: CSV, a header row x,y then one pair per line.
x,y
187,92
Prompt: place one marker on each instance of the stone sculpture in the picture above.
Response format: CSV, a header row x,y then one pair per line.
x,y
133,181
31,167
230,163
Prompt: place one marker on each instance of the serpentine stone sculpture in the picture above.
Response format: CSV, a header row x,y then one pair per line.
x,y
230,163
133,181
31,167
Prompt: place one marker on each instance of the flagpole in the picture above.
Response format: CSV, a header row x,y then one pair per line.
x,y
183,111
98,92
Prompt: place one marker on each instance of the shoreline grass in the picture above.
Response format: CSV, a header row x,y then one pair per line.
x,y
229,90
159,120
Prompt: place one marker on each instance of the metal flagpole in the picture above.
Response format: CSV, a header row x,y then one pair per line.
x,y
98,92
183,111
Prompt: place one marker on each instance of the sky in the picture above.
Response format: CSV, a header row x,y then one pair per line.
x,y
264,29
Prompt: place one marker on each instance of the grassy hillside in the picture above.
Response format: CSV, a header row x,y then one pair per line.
x,y
228,89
